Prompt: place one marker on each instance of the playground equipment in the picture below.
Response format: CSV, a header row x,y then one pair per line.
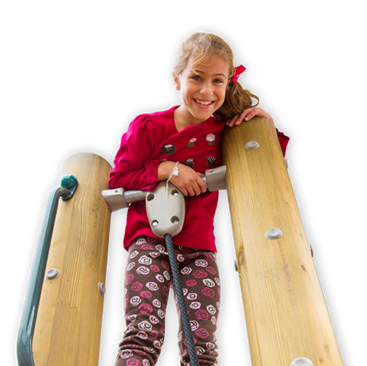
x,y
166,214
62,315
286,315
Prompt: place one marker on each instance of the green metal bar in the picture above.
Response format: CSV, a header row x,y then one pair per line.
x,y
25,336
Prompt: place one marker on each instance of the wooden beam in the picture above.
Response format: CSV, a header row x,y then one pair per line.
x,y
69,320
286,314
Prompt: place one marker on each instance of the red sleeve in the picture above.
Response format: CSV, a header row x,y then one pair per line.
x,y
134,166
283,141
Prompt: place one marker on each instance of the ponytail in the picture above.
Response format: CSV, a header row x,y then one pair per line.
x,y
237,99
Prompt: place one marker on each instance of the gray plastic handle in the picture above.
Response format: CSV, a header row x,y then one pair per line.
x,y
118,199
166,210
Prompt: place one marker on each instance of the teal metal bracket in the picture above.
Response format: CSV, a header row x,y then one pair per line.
x,y
70,183
66,191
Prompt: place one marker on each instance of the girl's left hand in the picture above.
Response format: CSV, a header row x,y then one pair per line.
x,y
247,114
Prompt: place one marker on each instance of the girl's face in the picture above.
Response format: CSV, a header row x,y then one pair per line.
x,y
203,90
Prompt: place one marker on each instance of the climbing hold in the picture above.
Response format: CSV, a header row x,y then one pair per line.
x,y
286,162
235,265
252,145
312,252
101,288
273,233
52,273
301,361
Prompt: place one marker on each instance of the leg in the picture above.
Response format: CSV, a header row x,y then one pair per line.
x,y
147,284
201,286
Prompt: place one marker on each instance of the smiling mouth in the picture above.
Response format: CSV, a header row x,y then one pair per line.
x,y
204,103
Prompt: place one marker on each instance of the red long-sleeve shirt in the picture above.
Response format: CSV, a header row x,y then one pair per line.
x,y
153,138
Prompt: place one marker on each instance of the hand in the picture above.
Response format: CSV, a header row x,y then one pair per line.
x,y
188,181
249,113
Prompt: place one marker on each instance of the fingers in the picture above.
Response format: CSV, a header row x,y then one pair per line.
x,y
189,182
247,114
192,190
201,183
251,112
196,187
236,120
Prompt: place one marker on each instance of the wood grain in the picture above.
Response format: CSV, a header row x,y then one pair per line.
x,y
69,319
286,314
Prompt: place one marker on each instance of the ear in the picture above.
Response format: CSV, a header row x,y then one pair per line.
x,y
177,82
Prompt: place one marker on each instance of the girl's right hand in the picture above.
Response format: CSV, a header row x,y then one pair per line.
x,y
187,181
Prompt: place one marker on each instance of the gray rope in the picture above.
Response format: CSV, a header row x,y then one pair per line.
x,y
181,302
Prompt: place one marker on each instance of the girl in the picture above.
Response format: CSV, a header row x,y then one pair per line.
x,y
179,145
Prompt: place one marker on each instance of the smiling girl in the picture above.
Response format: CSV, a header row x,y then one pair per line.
x,y
179,144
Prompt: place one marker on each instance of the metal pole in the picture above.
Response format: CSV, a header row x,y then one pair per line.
x,y
28,320
63,307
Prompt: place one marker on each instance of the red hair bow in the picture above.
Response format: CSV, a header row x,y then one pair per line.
x,y
237,72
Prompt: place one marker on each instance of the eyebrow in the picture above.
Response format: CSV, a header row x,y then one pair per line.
x,y
201,72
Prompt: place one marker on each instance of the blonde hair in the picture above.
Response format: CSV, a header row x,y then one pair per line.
x,y
202,46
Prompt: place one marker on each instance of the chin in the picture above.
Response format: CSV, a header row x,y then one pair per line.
x,y
202,117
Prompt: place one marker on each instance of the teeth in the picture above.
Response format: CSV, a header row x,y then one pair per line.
x,y
202,103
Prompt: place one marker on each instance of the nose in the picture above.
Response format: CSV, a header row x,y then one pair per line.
x,y
207,88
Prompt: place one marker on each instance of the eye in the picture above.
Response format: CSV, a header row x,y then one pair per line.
x,y
196,77
218,81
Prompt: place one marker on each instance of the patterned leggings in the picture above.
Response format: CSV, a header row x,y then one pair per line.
x,y
147,284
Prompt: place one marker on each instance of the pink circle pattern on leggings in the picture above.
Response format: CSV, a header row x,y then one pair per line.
x,y
147,281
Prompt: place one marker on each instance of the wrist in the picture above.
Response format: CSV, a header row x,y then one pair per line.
x,y
174,172
165,169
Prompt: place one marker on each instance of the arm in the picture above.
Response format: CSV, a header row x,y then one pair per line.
x,y
251,112
187,181
135,168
